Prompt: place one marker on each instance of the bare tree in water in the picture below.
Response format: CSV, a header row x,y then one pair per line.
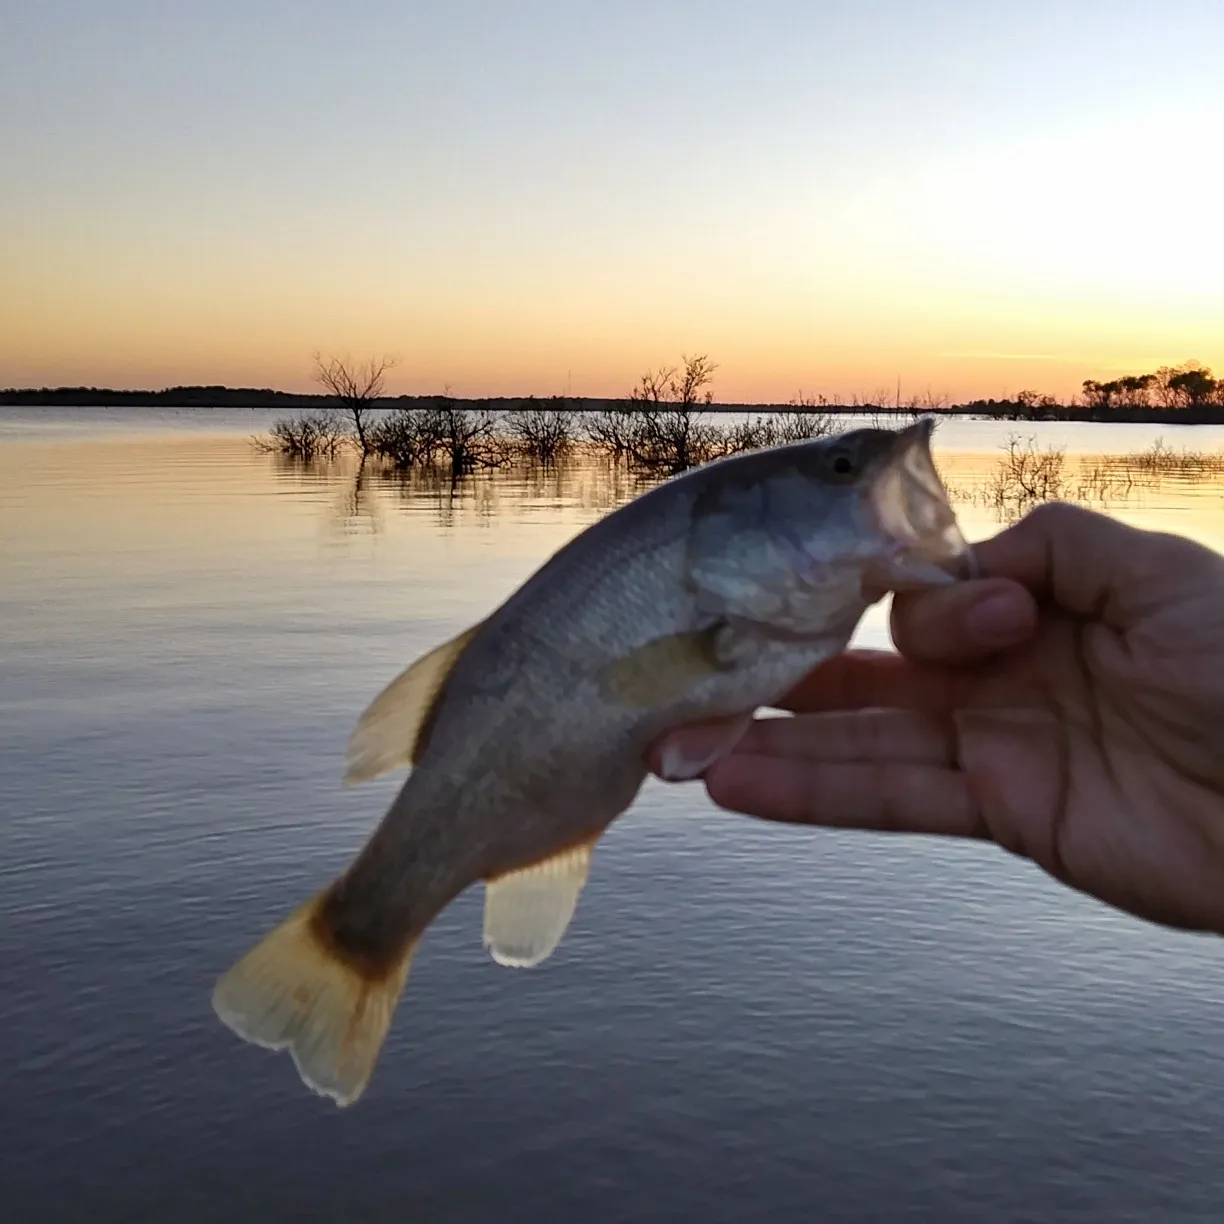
x,y
355,387
669,430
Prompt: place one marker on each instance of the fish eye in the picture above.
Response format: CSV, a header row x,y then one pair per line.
x,y
842,464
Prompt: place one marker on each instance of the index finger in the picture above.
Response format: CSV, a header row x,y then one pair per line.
x,y
886,796
875,679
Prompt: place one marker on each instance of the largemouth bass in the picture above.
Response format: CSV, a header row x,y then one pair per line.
x,y
708,597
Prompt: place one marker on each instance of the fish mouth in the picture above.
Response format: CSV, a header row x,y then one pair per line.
x,y
923,544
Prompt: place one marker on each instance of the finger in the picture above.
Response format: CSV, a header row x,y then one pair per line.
x,y
965,623
887,797
881,679
686,754
1093,565
900,736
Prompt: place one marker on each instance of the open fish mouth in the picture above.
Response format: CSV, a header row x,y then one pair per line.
x,y
923,544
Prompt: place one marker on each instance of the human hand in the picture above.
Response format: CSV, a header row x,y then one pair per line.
x,y
1068,705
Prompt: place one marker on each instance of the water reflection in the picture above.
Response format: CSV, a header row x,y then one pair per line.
x,y
583,484
1027,472
746,1021
1001,486
361,492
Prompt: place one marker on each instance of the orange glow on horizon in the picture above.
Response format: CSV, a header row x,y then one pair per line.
x,y
1028,218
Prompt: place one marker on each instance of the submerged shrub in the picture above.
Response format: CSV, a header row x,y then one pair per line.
x,y
309,435
408,437
543,434
609,430
1162,460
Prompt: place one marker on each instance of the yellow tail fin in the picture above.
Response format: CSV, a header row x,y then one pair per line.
x,y
295,991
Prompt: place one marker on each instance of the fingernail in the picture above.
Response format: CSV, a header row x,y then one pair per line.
x,y
682,755
999,620
677,764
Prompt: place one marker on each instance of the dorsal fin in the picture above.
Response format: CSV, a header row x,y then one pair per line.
x,y
388,734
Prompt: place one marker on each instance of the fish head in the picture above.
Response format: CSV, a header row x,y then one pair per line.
x,y
906,504
808,535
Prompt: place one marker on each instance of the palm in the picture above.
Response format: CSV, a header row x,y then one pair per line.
x,y
1071,748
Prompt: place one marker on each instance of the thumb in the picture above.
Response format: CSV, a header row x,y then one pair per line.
x,y
1091,565
963,623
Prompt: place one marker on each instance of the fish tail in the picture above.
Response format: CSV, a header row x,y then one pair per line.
x,y
299,990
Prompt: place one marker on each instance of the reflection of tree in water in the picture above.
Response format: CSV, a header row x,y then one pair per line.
x,y
1028,473
588,485
358,493
582,483
449,498
304,473
356,509
578,484
349,488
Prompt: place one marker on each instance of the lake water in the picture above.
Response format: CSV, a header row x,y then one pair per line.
x,y
745,1022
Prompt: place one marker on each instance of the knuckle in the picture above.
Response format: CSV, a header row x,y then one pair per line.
x,y
1055,517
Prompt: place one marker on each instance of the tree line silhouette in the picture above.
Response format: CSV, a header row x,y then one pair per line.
x,y
1188,393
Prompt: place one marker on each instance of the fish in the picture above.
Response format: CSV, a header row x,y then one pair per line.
x,y
705,599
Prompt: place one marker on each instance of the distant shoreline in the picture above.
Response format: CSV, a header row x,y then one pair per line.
x,y
269,400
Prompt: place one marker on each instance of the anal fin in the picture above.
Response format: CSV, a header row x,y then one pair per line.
x,y
527,911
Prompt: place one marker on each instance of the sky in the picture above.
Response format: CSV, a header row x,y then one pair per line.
x,y
516,197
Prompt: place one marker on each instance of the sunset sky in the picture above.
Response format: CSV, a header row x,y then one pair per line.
x,y
531,197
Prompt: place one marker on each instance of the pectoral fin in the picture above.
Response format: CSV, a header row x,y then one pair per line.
x,y
527,911
665,669
389,732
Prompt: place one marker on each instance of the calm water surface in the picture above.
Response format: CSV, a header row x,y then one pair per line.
x,y
744,1022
